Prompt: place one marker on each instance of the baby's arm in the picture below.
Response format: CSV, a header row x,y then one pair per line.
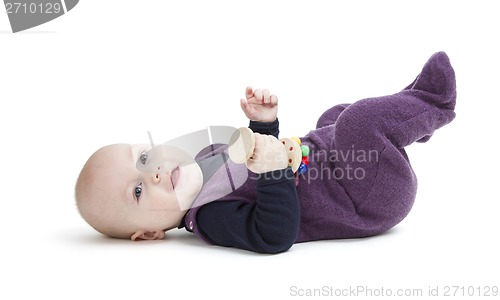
x,y
259,147
268,225
271,223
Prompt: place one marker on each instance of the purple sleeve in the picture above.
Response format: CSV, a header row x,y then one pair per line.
x,y
269,225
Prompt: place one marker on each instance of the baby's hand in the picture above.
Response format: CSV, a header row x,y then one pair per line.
x,y
269,155
259,105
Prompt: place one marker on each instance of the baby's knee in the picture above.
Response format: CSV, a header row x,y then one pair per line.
x,y
358,120
330,116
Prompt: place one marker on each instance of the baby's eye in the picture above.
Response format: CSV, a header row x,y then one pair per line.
x,y
143,158
138,191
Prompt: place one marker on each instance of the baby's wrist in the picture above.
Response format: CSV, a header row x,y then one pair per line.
x,y
264,120
264,123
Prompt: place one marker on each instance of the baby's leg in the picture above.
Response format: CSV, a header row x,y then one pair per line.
x,y
370,135
330,116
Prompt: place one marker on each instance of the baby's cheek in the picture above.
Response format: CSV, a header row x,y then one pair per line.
x,y
156,204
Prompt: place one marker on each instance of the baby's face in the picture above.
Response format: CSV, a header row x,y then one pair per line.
x,y
149,200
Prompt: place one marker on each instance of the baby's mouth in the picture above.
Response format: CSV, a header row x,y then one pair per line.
x,y
174,176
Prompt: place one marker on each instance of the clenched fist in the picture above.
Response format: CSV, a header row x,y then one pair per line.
x,y
259,105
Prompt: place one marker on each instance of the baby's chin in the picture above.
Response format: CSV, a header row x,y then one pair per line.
x,y
188,185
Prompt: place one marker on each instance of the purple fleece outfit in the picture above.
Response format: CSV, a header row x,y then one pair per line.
x,y
360,182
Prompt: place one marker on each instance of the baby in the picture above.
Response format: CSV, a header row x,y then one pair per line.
x,y
359,181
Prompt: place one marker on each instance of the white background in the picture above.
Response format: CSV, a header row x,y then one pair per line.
x,y
108,71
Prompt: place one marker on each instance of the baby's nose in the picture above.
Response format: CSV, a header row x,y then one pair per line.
x,y
156,175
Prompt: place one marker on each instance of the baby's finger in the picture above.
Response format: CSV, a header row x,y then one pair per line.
x,y
244,105
258,96
274,100
248,92
266,96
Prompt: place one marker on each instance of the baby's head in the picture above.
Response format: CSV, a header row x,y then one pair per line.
x,y
119,200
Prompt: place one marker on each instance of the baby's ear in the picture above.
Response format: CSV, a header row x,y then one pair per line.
x,y
143,235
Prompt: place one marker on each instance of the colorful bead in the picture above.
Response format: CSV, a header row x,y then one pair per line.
x,y
305,150
297,140
302,168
